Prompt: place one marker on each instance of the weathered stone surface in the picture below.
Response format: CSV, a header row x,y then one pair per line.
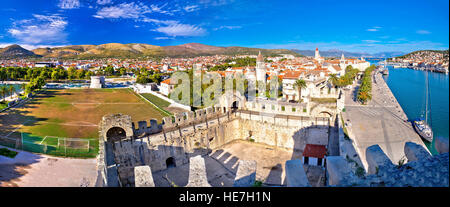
x,y
441,145
295,174
197,173
143,177
338,169
415,152
246,174
375,158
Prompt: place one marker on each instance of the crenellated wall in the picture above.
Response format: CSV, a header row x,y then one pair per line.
x,y
188,134
419,169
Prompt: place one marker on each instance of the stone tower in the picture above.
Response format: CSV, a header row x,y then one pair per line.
x,y
342,62
260,68
317,55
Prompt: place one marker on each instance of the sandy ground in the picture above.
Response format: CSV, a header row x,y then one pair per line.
x,y
35,170
222,165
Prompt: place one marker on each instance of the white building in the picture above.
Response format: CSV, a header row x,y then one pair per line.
x,y
166,87
260,68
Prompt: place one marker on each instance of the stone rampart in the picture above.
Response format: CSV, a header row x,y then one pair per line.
x,y
421,170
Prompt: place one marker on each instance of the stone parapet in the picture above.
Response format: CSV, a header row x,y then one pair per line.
x,y
197,172
295,174
414,152
441,145
143,177
246,174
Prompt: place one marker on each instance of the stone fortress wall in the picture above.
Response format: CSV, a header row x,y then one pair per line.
x,y
144,148
189,134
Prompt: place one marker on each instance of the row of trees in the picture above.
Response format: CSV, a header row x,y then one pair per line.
x,y
144,76
365,90
58,73
9,90
239,62
347,79
35,84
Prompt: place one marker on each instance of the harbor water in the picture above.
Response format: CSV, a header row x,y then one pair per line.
x,y
408,87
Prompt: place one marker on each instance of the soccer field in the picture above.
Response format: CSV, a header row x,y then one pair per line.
x,y
72,113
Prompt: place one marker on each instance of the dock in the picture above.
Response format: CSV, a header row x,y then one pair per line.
x,y
382,121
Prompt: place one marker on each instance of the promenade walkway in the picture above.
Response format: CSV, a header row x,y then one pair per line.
x,y
382,121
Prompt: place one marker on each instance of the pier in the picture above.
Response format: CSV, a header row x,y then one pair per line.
x,y
382,121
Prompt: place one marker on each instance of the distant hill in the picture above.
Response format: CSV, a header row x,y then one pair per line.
x,y
425,53
338,53
15,51
111,50
117,50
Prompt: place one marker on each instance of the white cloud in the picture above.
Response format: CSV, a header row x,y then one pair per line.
x,y
30,47
191,8
374,29
371,41
159,22
162,38
130,10
104,2
359,47
124,10
423,32
69,4
40,29
227,27
184,30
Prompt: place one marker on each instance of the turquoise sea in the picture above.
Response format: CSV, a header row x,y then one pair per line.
x,y
408,87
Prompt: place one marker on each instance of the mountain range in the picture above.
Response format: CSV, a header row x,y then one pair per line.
x,y
15,51
134,50
338,53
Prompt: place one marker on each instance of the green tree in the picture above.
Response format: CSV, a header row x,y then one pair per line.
x,y
299,84
11,90
3,91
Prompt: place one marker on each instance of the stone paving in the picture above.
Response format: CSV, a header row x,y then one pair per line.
x,y
382,121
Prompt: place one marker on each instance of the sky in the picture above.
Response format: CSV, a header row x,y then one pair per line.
x,y
356,26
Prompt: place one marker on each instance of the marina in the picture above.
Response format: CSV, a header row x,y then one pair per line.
x,y
408,86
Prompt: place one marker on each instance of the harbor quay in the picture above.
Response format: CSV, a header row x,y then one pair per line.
x,y
381,122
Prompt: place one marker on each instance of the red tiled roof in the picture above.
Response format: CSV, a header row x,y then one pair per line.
x,y
314,150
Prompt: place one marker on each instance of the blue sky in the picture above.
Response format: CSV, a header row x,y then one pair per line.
x,y
359,26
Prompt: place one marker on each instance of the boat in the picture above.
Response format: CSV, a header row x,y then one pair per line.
x,y
423,126
385,70
423,129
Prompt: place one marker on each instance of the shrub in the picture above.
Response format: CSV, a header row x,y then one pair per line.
x,y
8,153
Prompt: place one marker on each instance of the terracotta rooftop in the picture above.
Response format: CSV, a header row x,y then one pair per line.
x,y
314,150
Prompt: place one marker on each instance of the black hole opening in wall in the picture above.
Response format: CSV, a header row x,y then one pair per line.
x,y
170,162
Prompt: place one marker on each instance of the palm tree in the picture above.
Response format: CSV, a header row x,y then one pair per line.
x,y
299,84
333,80
11,89
3,91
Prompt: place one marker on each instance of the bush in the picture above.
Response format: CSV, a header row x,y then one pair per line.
x,y
365,90
7,153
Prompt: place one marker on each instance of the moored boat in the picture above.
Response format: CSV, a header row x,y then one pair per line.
x,y
423,129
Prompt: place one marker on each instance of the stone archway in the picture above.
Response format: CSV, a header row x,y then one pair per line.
x,y
232,100
235,106
115,134
116,127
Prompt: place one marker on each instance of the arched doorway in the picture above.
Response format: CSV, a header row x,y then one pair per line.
x,y
324,118
170,162
115,134
235,106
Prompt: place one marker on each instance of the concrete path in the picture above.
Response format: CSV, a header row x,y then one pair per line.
x,y
35,170
382,121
